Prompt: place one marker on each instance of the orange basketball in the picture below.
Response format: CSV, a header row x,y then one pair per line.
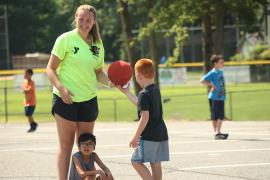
x,y
120,72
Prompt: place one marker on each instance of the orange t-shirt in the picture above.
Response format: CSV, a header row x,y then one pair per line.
x,y
29,91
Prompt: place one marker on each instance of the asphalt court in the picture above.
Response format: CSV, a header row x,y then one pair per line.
x,y
194,154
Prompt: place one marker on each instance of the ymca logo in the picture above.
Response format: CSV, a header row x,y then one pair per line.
x,y
76,49
95,50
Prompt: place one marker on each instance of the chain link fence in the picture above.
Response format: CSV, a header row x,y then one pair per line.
x,y
240,105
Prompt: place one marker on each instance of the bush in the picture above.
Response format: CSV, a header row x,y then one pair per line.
x,y
237,57
257,50
265,54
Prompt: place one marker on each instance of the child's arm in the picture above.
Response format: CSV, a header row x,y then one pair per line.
x,y
142,124
80,170
209,84
26,88
127,92
102,165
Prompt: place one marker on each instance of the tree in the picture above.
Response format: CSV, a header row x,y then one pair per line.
x,y
176,15
153,43
206,36
30,25
33,27
127,35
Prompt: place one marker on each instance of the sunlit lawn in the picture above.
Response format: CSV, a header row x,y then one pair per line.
x,y
186,103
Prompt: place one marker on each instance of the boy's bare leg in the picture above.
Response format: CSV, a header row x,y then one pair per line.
x,y
219,124
142,171
156,171
214,123
83,127
30,119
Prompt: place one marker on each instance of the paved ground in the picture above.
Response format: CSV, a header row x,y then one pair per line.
x,y
193,152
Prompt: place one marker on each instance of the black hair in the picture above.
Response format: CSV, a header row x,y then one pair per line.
x,y
86,137
30,71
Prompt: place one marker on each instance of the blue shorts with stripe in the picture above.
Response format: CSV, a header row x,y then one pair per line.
x,y
151,151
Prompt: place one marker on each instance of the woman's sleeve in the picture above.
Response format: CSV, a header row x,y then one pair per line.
x,y
100,62
59,48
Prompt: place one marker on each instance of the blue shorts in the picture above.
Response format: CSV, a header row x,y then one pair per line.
x,y
151,151
217,109
29,110
86,111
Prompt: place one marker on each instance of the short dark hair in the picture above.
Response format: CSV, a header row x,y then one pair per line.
x,y
86,137
215,58
30,71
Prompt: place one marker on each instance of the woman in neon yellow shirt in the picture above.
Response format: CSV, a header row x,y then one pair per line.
x,y
74,68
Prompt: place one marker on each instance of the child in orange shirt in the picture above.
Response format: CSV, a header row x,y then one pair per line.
x,y
30,99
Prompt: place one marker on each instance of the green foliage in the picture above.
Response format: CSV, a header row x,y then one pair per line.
x,y
237,57
258,52
168,19
265,54
247,13
34,26
30,25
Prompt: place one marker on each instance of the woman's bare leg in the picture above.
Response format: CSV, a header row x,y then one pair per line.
x,y
83,127
66,133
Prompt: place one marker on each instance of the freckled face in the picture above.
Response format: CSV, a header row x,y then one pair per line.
x,y
84,21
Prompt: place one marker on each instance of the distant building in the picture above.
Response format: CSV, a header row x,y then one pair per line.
x,y
30,60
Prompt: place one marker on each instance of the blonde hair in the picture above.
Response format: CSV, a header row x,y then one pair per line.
x,y
94,33
145,67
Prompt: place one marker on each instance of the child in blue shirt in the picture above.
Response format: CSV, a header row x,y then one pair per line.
x,y
217,94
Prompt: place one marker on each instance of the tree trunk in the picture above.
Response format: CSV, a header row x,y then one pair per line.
x,y
126,29
219,23
153,45
206,40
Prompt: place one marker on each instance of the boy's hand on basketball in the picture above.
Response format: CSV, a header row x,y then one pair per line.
x,y
124,89
65,95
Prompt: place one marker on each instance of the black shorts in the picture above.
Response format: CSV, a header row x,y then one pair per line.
x,y
217,109
29,110
86,111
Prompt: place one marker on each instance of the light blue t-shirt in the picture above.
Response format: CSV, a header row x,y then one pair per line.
x,y
216,77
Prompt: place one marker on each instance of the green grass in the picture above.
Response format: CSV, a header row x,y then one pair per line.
x,y
187,103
